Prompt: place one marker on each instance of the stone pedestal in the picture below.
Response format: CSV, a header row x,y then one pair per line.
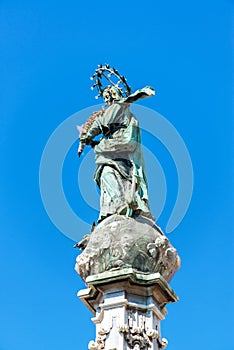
x,y
128,307
126,266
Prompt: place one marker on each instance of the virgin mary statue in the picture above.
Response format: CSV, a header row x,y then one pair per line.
x,y
120,172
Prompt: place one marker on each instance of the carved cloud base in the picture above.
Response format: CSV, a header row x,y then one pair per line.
x,y
124,242
128,307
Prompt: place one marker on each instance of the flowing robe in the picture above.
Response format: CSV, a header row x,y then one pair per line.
x,y
120,172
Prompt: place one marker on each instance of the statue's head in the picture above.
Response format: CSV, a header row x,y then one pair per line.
x,y
111,94
117,87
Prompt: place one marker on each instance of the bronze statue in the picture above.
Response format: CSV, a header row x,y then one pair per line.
x,y
120,172
126,260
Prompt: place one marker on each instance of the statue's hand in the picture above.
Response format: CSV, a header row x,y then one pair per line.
x,y
85,141
81,148
94,143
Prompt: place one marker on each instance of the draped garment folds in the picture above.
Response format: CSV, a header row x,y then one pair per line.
x,y
120,172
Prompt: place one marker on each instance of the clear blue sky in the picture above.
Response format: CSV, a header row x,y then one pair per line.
x,y
48,51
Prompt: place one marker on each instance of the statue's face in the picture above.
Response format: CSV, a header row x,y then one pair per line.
x,y
107,97
111,94
115,93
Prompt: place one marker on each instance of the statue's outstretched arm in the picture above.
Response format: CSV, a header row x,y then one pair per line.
x,y
139,94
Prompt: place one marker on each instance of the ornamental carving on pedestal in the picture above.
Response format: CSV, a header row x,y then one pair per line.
x,y
140,337
99,343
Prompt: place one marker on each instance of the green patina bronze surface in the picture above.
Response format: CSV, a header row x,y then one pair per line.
x,y
120,172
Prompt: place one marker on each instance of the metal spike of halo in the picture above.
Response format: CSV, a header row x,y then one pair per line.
x,y
112,76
